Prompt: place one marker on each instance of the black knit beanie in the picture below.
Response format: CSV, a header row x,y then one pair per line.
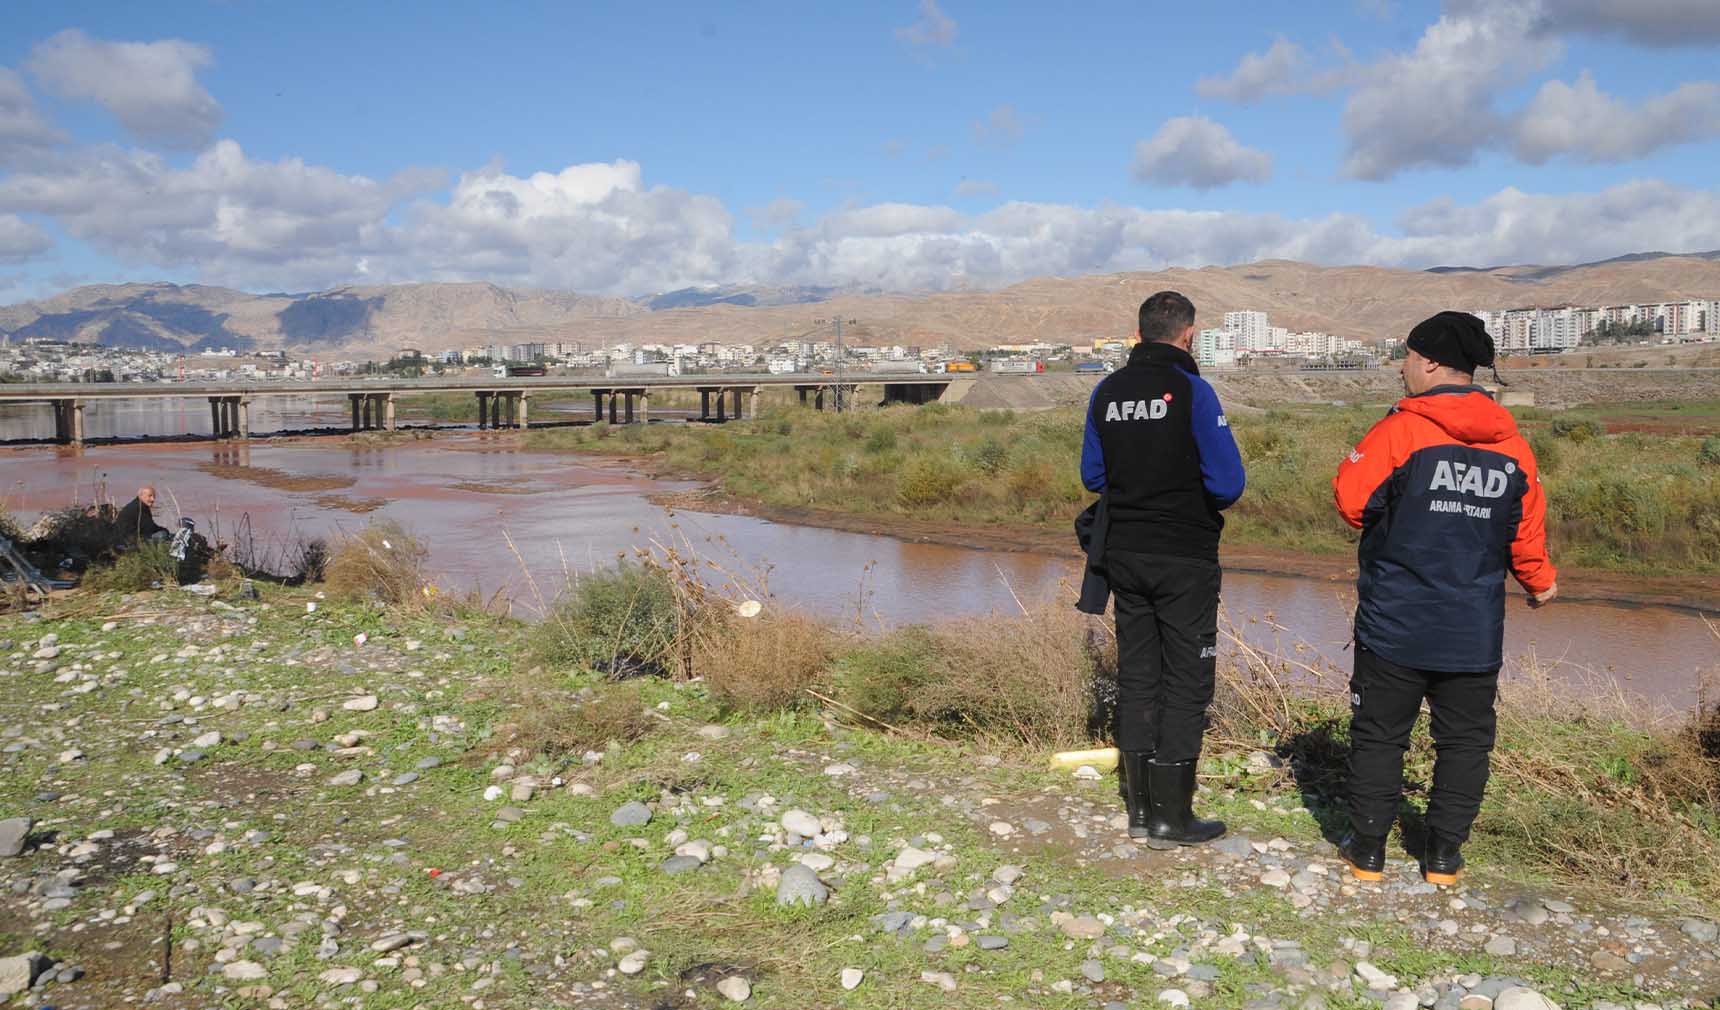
x,y
1454,339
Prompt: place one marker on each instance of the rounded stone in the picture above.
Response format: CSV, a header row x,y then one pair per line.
x,y
801,823
799,885
631,815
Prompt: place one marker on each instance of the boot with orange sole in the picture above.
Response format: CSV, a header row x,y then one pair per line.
x,y
1442,861
1366,857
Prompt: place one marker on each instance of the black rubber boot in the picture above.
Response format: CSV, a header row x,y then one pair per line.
x,y
1133,766
1366,857
1442,860
1170,798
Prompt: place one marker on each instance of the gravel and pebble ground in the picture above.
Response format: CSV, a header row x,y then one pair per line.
x,y
209,804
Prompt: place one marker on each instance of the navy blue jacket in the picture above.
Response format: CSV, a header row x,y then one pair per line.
x,y
1448,498
1158,444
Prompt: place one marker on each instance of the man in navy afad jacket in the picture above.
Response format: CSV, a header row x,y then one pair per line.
x,y
1158,447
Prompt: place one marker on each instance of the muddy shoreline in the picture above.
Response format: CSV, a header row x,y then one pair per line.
x,y
1699,593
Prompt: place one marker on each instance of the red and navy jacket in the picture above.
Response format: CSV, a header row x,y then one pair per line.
x,y
1158,446
1448,498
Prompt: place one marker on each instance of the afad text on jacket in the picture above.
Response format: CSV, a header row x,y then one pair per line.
x,y
1158,444
1448,498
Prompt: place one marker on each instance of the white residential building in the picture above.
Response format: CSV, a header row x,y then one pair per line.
x,y
1250,330
1215,348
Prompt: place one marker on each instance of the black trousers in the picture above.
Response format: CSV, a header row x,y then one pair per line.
x,y
1385,700
1167,650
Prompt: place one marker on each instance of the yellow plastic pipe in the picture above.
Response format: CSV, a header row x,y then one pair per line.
x,y
1103,759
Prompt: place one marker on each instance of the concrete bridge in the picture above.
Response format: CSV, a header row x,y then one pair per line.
x,y
499,403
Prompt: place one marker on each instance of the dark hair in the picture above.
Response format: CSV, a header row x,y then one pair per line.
x,y
1165,316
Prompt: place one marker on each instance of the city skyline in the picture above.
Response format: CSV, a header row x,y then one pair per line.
x,y
914,146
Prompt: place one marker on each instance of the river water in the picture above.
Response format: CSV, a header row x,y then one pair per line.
x,y
517,525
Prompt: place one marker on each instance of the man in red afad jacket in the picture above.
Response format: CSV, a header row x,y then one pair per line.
x,y
1447,496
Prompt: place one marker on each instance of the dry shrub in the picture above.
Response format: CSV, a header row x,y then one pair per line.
x,y
382,561
762,663
1026,680
1592,782
544,716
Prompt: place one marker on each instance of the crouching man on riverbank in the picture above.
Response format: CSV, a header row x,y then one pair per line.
x,y
1447,496
1158,449
136,522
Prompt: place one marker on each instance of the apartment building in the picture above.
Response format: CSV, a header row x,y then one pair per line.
x,y
1250,329
1215,348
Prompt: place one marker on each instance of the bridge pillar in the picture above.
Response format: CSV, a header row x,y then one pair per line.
x,y
496,409
627,406
483,410
68,421
704,404
388,411
614,416
242,407
722,405
752,401
644,406
353,399
818,398
596,405
520,416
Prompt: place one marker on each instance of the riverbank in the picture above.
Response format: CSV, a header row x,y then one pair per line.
x,y
1633,489
1691,592
306,797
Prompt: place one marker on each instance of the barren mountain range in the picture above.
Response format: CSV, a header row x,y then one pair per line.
x,y
1369,303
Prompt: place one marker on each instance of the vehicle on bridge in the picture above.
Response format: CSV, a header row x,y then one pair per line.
x,y
1017,366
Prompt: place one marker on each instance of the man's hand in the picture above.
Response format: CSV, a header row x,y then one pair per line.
x,y
1543,597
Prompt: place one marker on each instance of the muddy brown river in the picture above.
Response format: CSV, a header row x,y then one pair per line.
x,y
518,525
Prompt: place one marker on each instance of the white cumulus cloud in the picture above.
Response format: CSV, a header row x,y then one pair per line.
x,y
20,240
23,131
150,87
1195,151
1279,70
1581,120
603,228
235,218
1435,105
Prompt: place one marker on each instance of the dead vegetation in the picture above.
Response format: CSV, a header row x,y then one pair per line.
x,y
381,562
764,662
547,717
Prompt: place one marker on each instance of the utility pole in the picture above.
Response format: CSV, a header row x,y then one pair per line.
x,y
839,364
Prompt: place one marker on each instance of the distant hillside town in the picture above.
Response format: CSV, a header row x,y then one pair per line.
x,y
1544,331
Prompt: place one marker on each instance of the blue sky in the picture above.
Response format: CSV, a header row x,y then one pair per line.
x,y
916,145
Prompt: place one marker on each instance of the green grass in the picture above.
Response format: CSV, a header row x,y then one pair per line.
x,y
1635,501
541,875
